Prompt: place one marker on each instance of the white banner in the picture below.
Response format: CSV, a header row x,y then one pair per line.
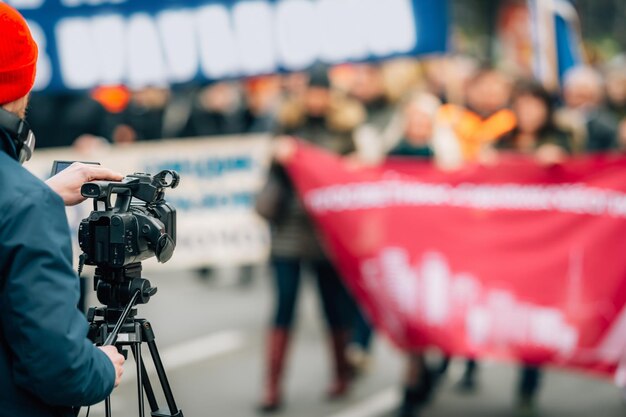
x,y
220,178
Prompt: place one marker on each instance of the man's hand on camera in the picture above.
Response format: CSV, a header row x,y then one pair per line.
x,y
117,359
67,183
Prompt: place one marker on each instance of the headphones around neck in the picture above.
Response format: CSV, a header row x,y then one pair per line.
x,y
23,138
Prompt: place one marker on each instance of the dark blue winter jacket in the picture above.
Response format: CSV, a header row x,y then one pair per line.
x,y
47,364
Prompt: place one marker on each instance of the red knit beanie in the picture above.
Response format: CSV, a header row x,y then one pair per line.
x,y
18,55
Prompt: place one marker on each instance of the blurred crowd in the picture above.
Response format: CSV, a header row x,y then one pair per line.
x,y
452,110
380,106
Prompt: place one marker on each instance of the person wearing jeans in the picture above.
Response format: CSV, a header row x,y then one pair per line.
x,y
325,118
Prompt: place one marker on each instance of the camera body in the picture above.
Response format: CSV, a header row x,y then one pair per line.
x,y
140,225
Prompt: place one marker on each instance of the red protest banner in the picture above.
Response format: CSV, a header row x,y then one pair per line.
x,y
513,261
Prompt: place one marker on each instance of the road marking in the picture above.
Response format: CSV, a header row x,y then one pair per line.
x,y
190,352
379,403
202,348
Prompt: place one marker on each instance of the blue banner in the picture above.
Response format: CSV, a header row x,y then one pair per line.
x,y
85,43
557,39
568,40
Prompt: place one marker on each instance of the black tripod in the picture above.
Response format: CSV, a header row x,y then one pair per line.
x,y
120,290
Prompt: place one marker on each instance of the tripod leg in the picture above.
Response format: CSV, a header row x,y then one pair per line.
x,y
154,406
167,390
107,406
148,336
140,373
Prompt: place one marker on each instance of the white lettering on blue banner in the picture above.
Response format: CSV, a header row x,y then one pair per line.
x,y
86,43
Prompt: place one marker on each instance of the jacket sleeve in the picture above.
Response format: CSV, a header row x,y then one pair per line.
x,y
46,332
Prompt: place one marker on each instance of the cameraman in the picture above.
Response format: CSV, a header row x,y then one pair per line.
x,y
47,364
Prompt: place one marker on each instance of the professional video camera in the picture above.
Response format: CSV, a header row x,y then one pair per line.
x,y
115,238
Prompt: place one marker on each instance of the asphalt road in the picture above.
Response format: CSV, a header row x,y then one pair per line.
x,y
210,334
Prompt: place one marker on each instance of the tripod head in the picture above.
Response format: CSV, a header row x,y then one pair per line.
x,y
120,290
115,287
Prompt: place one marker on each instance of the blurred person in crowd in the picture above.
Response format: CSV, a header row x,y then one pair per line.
x,y
294,85
592,127
420,115
435,79
261,98
401,75
616,96
616,87
419,120
483,121
322,117
535,132
447,77
47,364
144,117
535,135
67,117
459,71
621,136
217,110
367,85
485,117
370,87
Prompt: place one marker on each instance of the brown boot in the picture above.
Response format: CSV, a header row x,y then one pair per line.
x,y
278,343
343,371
